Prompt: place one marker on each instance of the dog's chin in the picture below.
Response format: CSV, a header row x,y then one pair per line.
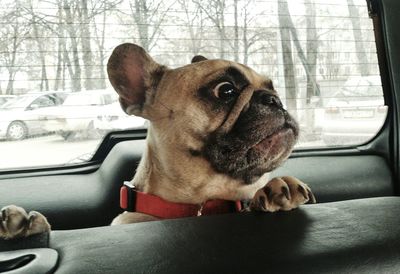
x,y
274,143
271,151
248,161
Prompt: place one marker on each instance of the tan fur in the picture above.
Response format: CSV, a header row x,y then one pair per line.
x,y
166,169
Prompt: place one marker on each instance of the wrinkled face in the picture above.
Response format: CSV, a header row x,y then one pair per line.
x,y
213,110
235,115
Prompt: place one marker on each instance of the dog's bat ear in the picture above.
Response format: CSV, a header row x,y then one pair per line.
x,y
133,74
198,58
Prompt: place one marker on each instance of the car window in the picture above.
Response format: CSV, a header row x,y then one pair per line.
x,y
320,54
43,101
58,98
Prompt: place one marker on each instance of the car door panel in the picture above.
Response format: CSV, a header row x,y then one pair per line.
x,y
91,199
323,238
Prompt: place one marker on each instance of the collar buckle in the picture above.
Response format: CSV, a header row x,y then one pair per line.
x,y
127,197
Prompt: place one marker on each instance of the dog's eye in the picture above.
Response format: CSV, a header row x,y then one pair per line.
x,y
225,91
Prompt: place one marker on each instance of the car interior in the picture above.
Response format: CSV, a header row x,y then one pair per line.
x,y
353,227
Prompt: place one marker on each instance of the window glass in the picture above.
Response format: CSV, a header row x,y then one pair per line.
x,y
43,101
321,55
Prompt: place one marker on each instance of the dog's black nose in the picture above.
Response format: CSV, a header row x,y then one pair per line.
x,y
267,99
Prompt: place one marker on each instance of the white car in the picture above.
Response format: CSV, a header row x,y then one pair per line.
x,y
356,112
115,118
88,114
21,116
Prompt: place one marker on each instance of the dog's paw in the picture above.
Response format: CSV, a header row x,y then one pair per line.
x,y
282,193
16,223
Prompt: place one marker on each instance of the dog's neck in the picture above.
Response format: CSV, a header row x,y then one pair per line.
x,y
181,177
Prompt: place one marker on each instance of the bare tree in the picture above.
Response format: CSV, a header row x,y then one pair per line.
x,y
194,20
327,60
363,64
36,30
309,68
99,30
12,35
85,38
148,16
70,13
60,31
215,11
251,37
236,30
311,49
288,64
99,38
312,52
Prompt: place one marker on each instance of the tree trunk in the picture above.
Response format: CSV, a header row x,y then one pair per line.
x,y
76,74
194,22
11,65
222,28
363,64
301,55
141,16
236,41
215,10
44,82
60,47
288,66
245,39
10,83
102,82
311,51
87,56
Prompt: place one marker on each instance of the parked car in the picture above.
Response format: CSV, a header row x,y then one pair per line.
x,y
114,118
355,113
20,117
5,98
89,114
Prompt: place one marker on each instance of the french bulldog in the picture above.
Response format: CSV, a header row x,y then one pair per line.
x,y
217,128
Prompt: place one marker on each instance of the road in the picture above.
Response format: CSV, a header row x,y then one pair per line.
x,y
43,151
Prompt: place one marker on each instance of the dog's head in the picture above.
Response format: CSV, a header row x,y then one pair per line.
x,y
215,110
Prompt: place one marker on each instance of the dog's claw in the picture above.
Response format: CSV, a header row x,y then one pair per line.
x,y
285,190
4,214
262,202
267,190
303,191
311,196
282,193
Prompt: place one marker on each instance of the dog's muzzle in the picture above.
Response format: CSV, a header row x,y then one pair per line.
x,y
256,137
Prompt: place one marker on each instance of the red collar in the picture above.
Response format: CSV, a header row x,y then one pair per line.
x,y
135,201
